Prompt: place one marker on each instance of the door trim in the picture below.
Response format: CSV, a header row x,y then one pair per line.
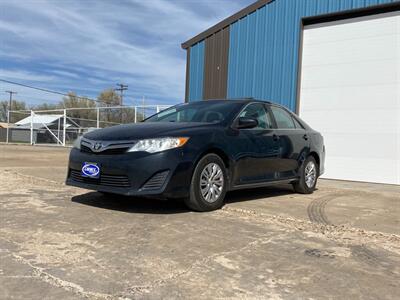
x,y
263,184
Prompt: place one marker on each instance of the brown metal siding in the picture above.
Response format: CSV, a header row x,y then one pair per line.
x,y
216,65
187,75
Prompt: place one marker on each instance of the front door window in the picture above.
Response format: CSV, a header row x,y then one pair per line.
x,y
257,111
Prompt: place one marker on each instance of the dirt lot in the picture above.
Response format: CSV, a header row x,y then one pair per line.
x,y
341,242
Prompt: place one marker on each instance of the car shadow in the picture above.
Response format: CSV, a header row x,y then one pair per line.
x,y
156,206
258,193
131,204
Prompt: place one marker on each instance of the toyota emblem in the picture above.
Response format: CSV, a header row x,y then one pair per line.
x,y
97,146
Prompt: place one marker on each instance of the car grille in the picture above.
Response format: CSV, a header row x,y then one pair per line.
x,y
106,180
156,181
108,151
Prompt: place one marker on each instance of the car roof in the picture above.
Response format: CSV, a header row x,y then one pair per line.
x,y
241,100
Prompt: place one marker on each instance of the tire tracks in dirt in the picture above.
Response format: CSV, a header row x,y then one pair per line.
x,y
340,233
316,211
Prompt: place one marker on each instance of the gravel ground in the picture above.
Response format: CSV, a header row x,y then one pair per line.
x,y
342,242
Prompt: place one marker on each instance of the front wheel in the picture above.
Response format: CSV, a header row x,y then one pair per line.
x,y
208,185
308,177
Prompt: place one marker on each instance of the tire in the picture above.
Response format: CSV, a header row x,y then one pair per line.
x,y
206,191
306,185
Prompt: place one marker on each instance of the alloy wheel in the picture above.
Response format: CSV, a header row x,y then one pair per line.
x,y
310,174
211,182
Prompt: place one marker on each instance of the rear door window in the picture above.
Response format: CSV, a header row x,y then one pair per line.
x,y
297,123
283,119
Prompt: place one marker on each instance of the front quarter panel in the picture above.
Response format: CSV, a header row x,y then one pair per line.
x,y
212,140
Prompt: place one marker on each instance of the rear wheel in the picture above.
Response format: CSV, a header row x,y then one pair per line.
x,y
208,185
308,177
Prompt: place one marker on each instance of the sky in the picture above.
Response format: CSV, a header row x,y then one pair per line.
x,y
87,46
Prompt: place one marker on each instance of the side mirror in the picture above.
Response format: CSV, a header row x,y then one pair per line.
x,y
246,123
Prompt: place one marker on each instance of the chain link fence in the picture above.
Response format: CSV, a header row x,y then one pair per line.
x,y
62,127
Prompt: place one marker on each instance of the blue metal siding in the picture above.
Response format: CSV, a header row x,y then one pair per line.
x,y
196,72
263,53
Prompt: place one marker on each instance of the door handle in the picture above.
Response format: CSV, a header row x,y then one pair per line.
x,y
275,137
305,137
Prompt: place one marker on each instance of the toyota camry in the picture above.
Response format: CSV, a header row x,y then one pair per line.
x,y
199,151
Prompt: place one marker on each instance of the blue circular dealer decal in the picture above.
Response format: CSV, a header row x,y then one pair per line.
x,y
90,170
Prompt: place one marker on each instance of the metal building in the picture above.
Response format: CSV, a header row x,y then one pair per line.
x,y
334,62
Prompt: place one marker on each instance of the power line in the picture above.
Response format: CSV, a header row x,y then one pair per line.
x,y
45,90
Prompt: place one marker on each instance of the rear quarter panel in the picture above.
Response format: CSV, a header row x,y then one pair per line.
x,y
317,146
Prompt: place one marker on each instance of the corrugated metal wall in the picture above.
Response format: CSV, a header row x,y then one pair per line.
x,y
196,72
263,53
216,65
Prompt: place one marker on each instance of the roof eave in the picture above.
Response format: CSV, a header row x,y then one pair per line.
x,y
226,22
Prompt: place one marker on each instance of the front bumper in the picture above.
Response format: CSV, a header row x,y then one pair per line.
x,y
163,174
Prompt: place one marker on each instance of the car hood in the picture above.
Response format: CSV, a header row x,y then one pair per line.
x,y
144,130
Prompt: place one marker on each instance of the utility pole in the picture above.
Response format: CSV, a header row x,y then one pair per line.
x,y
144,108
121,89
11,95
9,105
8,112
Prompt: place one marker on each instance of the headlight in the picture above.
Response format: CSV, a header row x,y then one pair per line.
x,y
157,145
77,143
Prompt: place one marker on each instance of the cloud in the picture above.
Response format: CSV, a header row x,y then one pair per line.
x,y
23,75
65,73
91,45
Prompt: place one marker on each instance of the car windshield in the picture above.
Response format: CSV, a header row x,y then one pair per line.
x,y
202,111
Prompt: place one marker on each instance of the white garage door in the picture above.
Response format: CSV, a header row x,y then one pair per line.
x,y
350,92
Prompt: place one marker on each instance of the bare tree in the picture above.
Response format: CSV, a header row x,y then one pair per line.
x,y
16,105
